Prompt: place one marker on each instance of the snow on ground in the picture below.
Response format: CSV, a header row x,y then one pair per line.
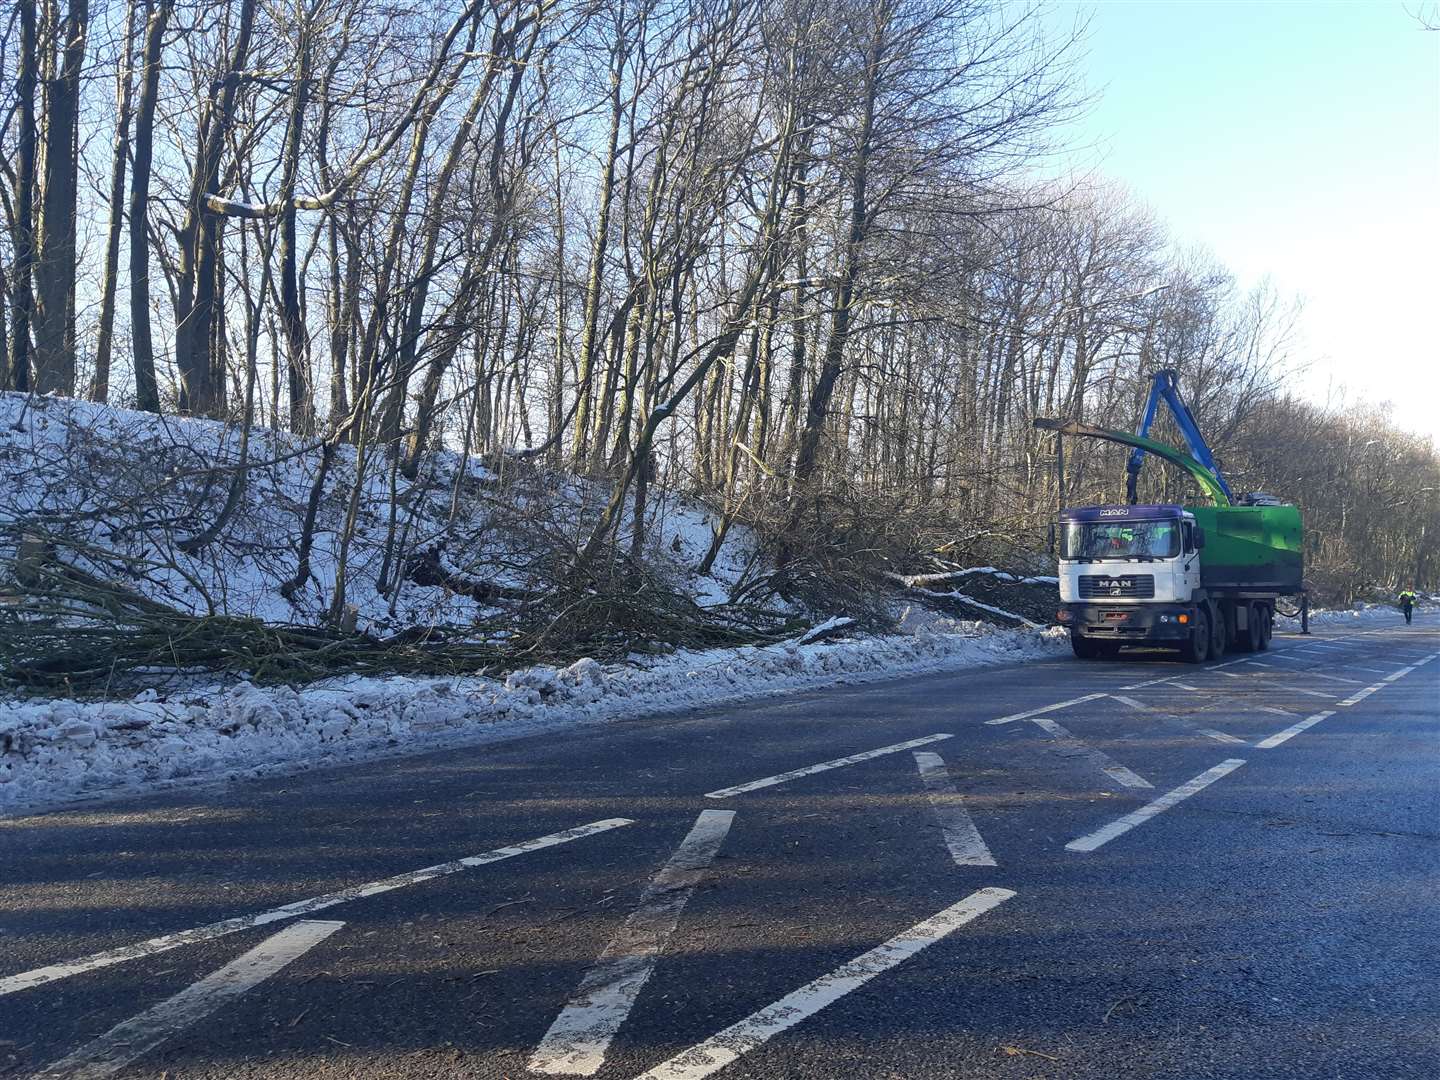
x,y
54,752
122,489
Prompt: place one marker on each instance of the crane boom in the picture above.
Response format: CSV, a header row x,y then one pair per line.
x,y
1165,386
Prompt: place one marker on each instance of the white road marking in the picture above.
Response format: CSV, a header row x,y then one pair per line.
x,y
132,1039
1293,730
1372,670
1138,706
1183,686
1333,678
755,1030
39,976
1259,663
1120,826
1108,765
1276,711
578,1039
1311,693
1046,709
967,846
1218,736
1150,682
824,766
1361,695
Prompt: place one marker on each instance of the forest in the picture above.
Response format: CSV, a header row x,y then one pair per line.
x,y
814,265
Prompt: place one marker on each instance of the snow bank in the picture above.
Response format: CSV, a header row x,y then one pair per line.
x,y
58,751
1363,616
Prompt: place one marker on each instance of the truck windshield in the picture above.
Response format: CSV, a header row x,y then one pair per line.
x,y
1088,540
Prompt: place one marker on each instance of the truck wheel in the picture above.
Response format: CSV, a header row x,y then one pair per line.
x,y
1267,627
1254,638
1083,647
1218,634
1197,647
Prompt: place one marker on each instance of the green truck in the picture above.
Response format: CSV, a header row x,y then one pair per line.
x,y
1201,578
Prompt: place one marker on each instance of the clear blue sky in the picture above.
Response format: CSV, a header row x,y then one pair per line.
x,y
1298,140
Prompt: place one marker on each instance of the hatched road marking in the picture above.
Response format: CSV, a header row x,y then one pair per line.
x,y
824,766
1121,826
578,1039
1293,730
1045,709
967,847
1103,761
755,1030
1178,721
39,976
132,1039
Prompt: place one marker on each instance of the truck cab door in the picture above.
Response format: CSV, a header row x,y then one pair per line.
x,y
1189,561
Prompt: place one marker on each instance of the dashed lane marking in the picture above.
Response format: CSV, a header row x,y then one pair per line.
x,y
580,1036
824,766
1293,730
1121,826
755,1030
134,1038
1103,761
967,847
1046,709
38,977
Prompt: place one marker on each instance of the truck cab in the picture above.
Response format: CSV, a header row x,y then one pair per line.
x,y
1129,574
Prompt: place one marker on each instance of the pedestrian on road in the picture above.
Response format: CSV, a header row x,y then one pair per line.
x,y
1407,604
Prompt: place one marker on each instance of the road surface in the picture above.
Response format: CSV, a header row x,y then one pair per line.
x,y
1129,868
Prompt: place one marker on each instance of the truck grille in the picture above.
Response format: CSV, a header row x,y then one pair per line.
x,y
1104,587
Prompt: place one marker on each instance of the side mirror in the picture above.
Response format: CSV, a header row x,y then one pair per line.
x,y
1199,538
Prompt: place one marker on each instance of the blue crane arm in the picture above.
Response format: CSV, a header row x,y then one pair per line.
x,y
1165,386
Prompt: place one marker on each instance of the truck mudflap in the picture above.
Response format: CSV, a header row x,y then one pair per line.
x,y
1129,623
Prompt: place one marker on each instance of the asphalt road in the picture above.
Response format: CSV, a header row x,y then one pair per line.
x,y
1128,868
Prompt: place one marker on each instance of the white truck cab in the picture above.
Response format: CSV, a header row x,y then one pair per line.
x,y
1128,555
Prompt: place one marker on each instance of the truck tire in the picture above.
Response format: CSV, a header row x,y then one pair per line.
x,y
1219,637
1196,649
1267,626
1253,639
1084,648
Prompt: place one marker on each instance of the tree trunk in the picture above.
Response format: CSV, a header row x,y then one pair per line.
x,y
819,408
199,234
55,262
105,333
595,275
24,300
147,394
297,345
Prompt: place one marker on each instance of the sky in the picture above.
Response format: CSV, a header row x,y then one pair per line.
x,y
1295,140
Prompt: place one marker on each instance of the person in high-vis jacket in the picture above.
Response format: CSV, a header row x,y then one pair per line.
x,y
1407,604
